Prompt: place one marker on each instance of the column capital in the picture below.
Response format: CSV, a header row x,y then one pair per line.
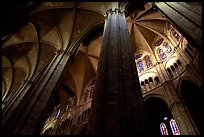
x,y
116,10
60,51
69,52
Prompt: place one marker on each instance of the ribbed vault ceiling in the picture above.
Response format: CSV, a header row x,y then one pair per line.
x,y
55,26
52,26
144,27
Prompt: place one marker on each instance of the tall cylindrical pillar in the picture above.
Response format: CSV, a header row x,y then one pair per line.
x,y
117,103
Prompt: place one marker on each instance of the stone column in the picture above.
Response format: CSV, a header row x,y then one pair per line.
x,y
28,117
186,18
117,104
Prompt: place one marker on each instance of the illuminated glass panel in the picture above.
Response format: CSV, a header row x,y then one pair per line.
x,y
167,48
174,127
165,118
162,54
159,42
148,61
163,129
138,56
56,112
140,66
176,35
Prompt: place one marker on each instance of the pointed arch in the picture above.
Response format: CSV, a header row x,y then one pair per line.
x,y
161,54
157,112
167,47
148,61
140,66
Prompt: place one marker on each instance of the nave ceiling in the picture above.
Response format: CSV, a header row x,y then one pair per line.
x,y
54,27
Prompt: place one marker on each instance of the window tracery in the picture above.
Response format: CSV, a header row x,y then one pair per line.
x,y
162,54
163,129
159,42
140,66
167,48
175,34
174,127
138,56
148,61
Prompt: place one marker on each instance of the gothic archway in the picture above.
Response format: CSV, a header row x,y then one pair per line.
x,y
157,114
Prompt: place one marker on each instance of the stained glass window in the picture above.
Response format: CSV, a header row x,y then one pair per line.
x,y
56,113
140,66
159,42
162,54
148,61
174,127
138,56
167,48
163,129
176,34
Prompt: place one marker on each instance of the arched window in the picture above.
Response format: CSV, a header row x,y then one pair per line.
x,y
159,42
56,113
175,34
162,54
148,61
174,127
179,62
140,66
167,48
163,129
158,116
138,56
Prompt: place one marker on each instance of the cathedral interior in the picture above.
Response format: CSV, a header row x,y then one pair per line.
x,y
109,68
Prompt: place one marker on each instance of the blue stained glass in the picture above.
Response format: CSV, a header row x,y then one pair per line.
x,y
174,127
148,61
162,54
140,66
56,113
176,35
168,48
163,129
138,56
159,42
